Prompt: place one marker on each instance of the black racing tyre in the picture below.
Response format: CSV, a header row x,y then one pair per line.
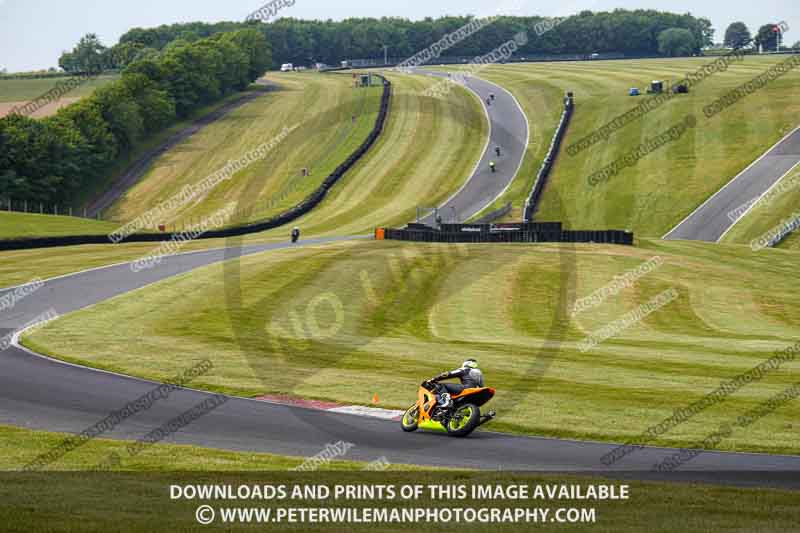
x,y
410,420
464,421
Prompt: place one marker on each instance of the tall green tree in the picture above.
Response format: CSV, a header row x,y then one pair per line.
x,y
122,113
767,37
305,41
737,35
40,159
254,44
88,119
676,42
89,55
123,54
156,106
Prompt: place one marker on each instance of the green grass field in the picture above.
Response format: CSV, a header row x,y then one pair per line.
x,y
99,185
20,90
792,242
21,225
328,321
92,502
319,110
324,321
427,151
664,187
136,493
423,137
20,266
20,446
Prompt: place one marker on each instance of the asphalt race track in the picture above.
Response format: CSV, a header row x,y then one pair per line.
x,y
710,221
509,131
40,393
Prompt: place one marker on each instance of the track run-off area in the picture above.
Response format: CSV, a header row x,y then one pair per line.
x,y
37,392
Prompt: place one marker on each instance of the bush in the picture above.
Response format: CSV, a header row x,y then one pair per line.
x,y
676,42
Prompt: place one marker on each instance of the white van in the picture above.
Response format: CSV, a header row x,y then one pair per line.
x,y
287,67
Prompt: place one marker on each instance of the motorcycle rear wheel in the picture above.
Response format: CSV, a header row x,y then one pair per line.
x,y
410,420
464,421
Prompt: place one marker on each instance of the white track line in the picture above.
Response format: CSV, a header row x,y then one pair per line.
x,y
753,206
742,173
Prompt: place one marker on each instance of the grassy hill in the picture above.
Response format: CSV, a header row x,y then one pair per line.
x,y
429,148
664,187
330,321
319,109
20,225
424,138
384,189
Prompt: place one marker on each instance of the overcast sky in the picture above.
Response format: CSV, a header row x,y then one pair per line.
x,y
33,33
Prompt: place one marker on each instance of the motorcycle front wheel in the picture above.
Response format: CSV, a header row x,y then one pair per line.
x,y
410,421
463,421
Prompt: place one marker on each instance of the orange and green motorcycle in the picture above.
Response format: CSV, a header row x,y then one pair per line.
x,y
460,419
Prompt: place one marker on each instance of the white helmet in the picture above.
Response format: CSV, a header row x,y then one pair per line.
x,y
470,363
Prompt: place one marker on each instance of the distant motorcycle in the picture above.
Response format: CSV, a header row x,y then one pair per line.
x,y
295,235
460,419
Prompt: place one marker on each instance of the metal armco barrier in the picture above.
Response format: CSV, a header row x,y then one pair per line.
x,y
534,227
523,233
494,215
547,166
284,218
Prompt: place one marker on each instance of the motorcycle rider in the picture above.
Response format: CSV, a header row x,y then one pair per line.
x,y
492,166
470,375
295,234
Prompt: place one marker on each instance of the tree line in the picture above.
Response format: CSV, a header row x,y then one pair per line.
x,y
49,160
313,41
738,36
